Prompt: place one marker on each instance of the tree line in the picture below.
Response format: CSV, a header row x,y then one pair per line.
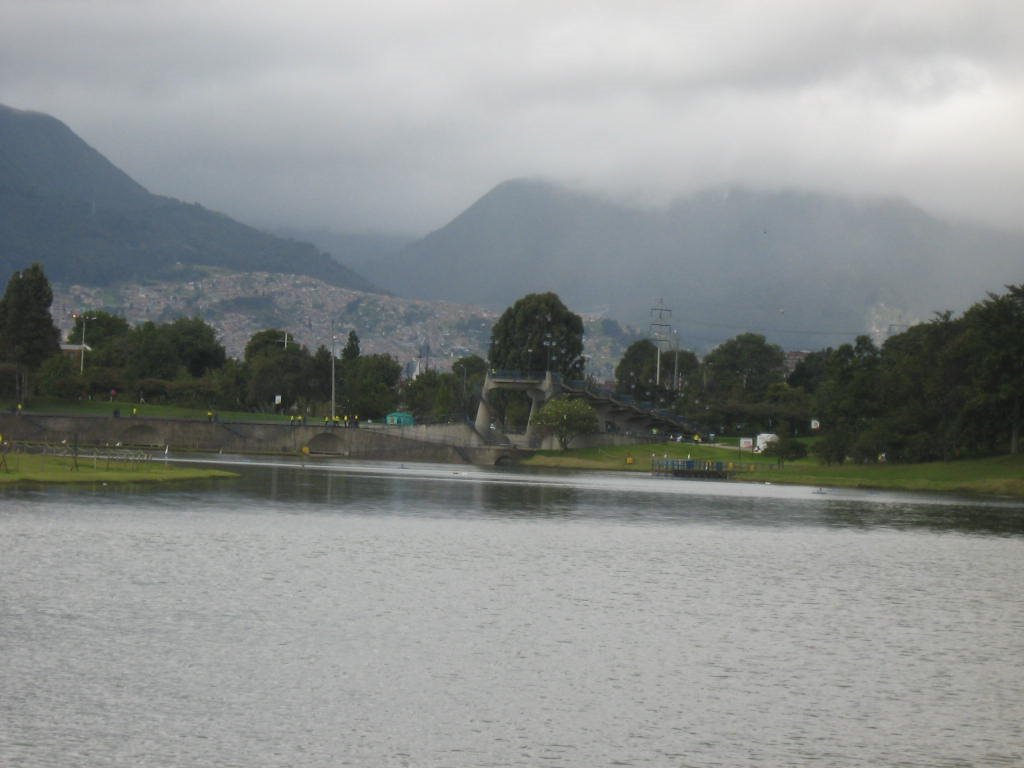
x,y
951,387
947,388
182,362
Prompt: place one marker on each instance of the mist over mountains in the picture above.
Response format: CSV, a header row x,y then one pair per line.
x,y
66,206
806,269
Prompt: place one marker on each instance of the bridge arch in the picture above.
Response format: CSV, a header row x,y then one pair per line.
x,y
624,413
538,388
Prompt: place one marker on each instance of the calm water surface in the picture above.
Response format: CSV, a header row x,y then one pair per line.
x,y
389,615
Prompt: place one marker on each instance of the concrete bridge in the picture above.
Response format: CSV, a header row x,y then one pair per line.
x,y
622,420
617,413
453,444
539,387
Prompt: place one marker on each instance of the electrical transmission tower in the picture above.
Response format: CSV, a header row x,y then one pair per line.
x,y
661,330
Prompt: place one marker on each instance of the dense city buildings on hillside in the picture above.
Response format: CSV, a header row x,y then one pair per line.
x,y
418,334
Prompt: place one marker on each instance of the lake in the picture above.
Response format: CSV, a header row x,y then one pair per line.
x,y
365,614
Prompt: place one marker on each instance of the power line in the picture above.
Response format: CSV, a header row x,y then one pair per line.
x,y
727,326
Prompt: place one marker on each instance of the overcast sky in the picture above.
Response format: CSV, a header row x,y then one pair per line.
x,y
395,115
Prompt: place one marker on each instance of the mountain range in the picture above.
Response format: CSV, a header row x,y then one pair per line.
x,y
804,268
66,206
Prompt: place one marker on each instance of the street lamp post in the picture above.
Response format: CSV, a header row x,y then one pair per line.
x,y
657,361
81,360
675,349
333,339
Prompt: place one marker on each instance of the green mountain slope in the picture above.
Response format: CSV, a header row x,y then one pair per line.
x,y
804,268
66,206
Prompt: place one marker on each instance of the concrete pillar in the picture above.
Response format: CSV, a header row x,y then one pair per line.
x,y
483,417
483,411
537,400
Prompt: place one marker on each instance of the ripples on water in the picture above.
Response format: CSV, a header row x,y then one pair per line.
x,y
420,615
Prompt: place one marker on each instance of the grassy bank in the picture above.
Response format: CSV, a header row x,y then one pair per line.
x,y
999,476
48,407
35,468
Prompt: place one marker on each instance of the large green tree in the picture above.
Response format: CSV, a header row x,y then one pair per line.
x,y
636,371
735,380
276,366
195,345
742,368
469,373
266,342
101,330
994,338
649,373
538,333
371,386
430,396
151,353
848,402
28,335
320,369
921,413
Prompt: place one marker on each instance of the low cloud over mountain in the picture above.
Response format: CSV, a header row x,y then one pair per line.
x,y
63,204
806,269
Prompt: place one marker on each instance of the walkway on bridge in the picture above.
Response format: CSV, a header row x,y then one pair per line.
x,y
623,413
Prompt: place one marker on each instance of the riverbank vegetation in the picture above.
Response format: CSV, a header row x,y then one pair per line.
x,y
942,391
97,467
182,364
994,476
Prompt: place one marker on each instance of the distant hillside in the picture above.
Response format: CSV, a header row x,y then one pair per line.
x,y
806,269
63,204
350,249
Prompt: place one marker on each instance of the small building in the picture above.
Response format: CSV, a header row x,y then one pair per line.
x,y
794,358
764,440
76,352
400,419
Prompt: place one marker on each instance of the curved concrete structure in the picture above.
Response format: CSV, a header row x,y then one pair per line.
x,y
620,413
449,443
538,389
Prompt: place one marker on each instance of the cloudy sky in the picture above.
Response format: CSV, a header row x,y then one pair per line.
x,y
394,115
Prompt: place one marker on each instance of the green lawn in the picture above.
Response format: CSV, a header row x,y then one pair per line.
x,y
617,457
36,468
106,408
999,476
1002,476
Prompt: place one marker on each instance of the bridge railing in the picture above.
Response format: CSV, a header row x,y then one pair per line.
x,y
627,401
593,390
510,375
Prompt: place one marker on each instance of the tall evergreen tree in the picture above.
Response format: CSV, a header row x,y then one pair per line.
x,y
351,350
27,333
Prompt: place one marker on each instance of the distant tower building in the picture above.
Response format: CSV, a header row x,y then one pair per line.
x,y
793,359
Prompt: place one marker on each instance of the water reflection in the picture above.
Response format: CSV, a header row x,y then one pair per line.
x,y
407,489
959,517
443,490
430,490
382,614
